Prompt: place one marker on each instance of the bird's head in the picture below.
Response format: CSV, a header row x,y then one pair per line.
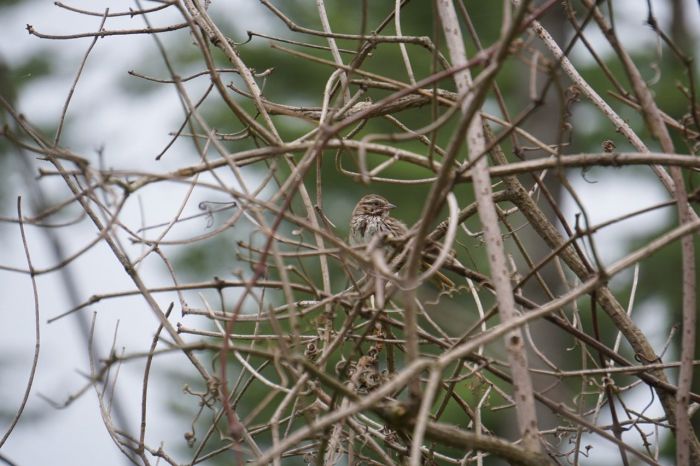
x,y
373,204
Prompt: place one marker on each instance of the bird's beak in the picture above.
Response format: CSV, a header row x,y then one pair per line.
x,y
390,206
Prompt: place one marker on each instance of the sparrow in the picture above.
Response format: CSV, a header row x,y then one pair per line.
x,y
371,218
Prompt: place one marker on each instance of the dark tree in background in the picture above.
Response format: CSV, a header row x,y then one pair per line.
x,y
496,330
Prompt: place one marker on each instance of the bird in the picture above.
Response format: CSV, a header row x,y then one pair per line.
x,y
372,218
